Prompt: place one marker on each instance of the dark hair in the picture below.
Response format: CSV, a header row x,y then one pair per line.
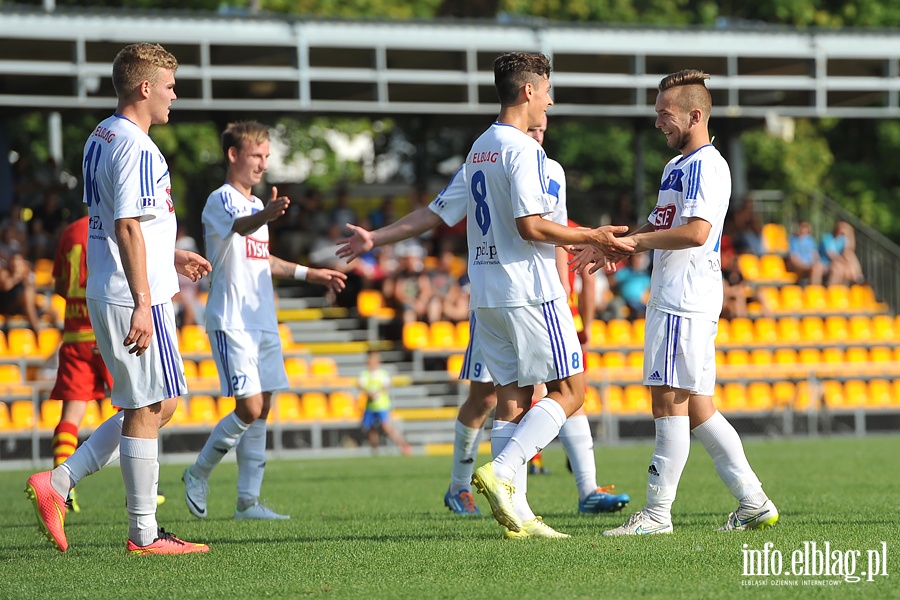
x,y
694,94
237,133
514,69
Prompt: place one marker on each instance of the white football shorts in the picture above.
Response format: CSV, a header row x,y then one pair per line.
x,y
247,358
680,352
473,367
528,344
143,380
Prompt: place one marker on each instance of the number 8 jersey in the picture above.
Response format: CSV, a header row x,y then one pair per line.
x,y
505,178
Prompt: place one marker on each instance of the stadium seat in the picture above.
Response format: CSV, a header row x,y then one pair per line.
x,y
202,410
10,374
813,328
288,408
775,238
323,366
107,409
637,331
789,330
315,406
4,416
810,356
635,359
769,296
738,357
859,328
287,338
225,406
791,299
454,364
21,342
636,400
771,268
856,393
92,415
618,333
723,335
806,396
598,333
207,369
862,297
4,349
833,393
741,331
765,330
51,411
786,356
48,340
194,340
879,393
783,393
296,368
21,414
748,264
592,361
839,297
759,396
415,335
592,404
442,336
883,327
43,272
58,307
462,334
734,396
370,303
881,354
181,416
815,298
761,356
856,355
837,328
614,360
833,355
613,398
190,369
343,405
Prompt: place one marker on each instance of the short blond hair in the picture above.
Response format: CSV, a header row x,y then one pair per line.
x,y
137,63
236,134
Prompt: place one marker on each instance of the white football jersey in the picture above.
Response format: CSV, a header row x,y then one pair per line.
x,y
506,178
688,282
241,295
557,189
126,176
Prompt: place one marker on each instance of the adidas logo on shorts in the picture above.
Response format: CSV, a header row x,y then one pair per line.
x,y
654,376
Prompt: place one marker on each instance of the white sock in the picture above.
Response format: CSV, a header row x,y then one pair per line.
x,y
536,429
673,444
251,460
465,449
225,436
724,446
576,437
140,471
500,436
96,452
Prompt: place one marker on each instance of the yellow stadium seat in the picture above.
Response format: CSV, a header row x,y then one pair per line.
x,y
592,404
370,303
21,414
43,272
815,298
738,357
454,364
734,396
879,393
770,296
862,297
92,415
618,332
789,330
637,399
287,338
613,397
614,359
856,355
225,406
759,396
833,392
442,335
296,368
775,238
771,268
207,369
833,355
51,411
593,361
813,328
748,264
181,416
58,307
791,299
806,396
786,356
48,340
10,374
839,297
21,342
765,330
4,348
720,357
837,328
190,369
107,409
288,408
4,416
415,335
741,331
598,333
895,391
880,354
859,328
761,356
637,331
723,336
323,366
810,356
783,393
462,334
315,406
202,410
883,327
635,359
194,340
343,405
856,392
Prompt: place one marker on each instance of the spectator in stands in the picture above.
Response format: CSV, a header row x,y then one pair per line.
x,y
838,254
747,229
375,382
18,295
408,291
383,214
342,213
804,255
734,302
631,285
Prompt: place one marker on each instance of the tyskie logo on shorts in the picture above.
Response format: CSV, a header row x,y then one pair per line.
x,y
257,249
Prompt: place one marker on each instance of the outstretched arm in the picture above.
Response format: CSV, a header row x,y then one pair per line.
x,y
362,240
333,280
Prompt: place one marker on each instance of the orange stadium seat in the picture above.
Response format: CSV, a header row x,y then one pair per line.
x,y
48,340
775,238
10,374
207,369
442,335
879,393
765,330
370,303
51,411
748,264
21,342
107,409
190,369
637,331
225,406
791,298
43,272
415,335
181,415
738,357
769,296
598,333
592,404
4,349
21,414
202,410
288,408
635,359
462,334
58,307
287,338
880,354
618,332
315,406
454,364
741,331
771,268
323,366
833,393
92,415
343,405
637,399
296,368
862,297
723,335
593,361
194,340
805,396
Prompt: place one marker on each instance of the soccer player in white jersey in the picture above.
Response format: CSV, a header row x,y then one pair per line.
x,y
241,320
132,275
450,207
684,231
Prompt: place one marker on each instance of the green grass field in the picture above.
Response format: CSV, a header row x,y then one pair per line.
x,y
376,528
